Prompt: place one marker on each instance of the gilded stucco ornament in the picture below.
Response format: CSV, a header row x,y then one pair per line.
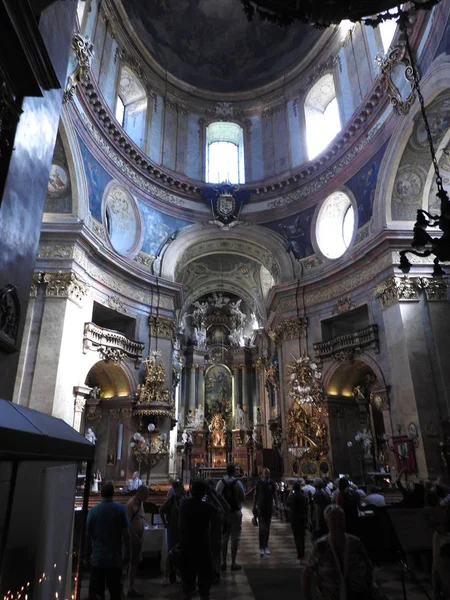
x,y
397,56
152,394
306,428
289,330
343,305
84,52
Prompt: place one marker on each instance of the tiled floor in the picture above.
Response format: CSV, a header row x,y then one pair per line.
x,y
235,585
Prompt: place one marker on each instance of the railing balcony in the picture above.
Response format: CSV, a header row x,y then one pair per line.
x,y
345,347
111,345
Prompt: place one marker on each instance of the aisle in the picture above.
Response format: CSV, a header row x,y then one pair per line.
x,y
276,572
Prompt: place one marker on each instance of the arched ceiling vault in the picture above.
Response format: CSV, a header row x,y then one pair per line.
x,y
252,243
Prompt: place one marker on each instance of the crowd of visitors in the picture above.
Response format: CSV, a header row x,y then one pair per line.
x,y
204,528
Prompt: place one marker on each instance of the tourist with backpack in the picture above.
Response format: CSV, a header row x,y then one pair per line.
x,y
232,491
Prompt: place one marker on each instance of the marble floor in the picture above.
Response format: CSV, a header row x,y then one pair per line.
x,y
282,563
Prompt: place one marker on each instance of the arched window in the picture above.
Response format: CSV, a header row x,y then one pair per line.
x,y
387,31
131,106
321,115
335,225
224,153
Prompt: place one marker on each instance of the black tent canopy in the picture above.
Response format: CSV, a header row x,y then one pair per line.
x,y
27,434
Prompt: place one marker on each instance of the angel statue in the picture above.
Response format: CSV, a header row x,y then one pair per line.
x,y
239,419
236,312
200,309
236,338
90,436
200,336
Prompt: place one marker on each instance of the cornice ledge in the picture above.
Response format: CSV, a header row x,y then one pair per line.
x,y
340,152
125,146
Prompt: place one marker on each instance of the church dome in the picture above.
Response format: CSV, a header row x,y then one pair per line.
x,y
212,45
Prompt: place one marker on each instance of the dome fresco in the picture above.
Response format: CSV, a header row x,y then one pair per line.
x,y
211,45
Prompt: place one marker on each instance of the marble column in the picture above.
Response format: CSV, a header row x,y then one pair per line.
x,y
245,398
200,388
192,389
237,386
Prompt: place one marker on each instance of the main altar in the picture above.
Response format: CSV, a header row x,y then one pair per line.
x,y
220,412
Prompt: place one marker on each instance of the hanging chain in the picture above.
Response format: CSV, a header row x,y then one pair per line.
x,y
404,30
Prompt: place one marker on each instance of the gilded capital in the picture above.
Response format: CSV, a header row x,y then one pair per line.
x,y
289,330
435,289
65,285
395,289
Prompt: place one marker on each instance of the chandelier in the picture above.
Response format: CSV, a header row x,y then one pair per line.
x,y
328,12
423,244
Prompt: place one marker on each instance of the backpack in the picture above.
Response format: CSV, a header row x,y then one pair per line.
x,y
229,492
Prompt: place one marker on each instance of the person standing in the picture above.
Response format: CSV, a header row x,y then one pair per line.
x,y
136,516
340,563
265,498
232,491
107,531
321,500
135,482
297,504
170,515
195,549
349,500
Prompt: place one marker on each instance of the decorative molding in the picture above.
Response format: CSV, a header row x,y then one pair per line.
x,y
286,304
93,413
345,347
116,303
289,330
161,327
64,252
397,289
65,285
224,110
114,413
79,403
349,283
118,285
98,229
9,318
84,52
118,137
343,305
395,57
310,188
111,345
362,234
311,262
435,289
126,413
176,106
144,259
37,280
273,110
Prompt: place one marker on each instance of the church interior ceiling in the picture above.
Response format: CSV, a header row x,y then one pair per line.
x,y
415,163
211,45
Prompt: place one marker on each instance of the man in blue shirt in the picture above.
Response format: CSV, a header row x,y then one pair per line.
x,y
107,532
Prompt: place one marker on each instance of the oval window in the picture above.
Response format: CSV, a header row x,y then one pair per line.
x,y
122,221
335,225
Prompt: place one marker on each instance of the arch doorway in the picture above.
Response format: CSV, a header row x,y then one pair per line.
x,y
358,420
108,414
